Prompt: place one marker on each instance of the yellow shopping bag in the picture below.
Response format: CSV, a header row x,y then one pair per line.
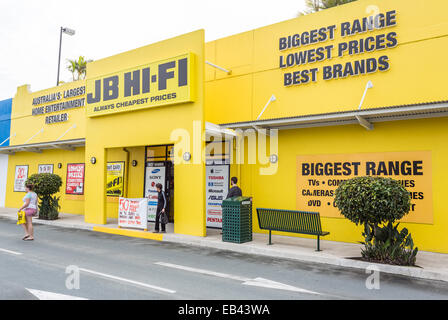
x,y
21,217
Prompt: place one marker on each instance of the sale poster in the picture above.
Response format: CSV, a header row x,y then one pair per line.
x,y
153,176
20,178
217,184
75,179
115,179
132,213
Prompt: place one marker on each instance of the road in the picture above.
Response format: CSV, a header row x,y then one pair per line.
x,y
116,267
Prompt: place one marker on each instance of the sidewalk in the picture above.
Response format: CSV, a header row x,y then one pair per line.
x,y
434,266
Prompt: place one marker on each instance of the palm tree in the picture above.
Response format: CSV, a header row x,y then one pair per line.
x,y
78,67
72,66
318,5
82,67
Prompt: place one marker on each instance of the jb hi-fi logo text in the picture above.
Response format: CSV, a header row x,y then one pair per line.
x,y
322,53
153,84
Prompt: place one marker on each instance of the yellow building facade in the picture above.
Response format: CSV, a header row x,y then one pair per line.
x,y
349,91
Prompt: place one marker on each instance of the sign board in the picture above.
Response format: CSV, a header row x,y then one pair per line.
x,y
45,168
59,101
75,179
132,213
153,176
115,179
154,84
318,177
364,35
20,178
217,184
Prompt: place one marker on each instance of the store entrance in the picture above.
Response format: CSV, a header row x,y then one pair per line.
x,y
159,168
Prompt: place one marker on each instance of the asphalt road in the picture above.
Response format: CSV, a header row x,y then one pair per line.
x,y
116,267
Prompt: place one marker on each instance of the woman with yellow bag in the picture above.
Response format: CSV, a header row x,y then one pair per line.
x,y
30,208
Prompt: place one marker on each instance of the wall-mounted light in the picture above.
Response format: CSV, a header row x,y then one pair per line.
x,y
59,165
134,163
273,158
187,156
93,160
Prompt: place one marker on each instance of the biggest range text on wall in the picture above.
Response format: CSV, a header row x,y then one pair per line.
x,y
326,52
318,177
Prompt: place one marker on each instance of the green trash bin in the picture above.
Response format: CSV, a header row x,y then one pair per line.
x,y
237,219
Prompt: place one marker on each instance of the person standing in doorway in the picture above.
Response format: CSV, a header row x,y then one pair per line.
x,y
30,208
161,208
234,191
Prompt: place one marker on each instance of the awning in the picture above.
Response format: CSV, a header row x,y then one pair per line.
x,y
214,130
364,117
38,147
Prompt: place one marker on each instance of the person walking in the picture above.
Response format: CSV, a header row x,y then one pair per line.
x,y
30,208
234,191
161,208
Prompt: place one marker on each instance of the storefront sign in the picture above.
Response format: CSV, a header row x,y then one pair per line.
x,y
54,104
20,178
154,84
63,117
318,176
115,179
45,168
217,184
327,51
75,178
153,176
132,213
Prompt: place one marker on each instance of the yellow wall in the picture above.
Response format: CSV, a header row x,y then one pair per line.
x,y
150,126
253,57
414,77
24,125
279,190
69,203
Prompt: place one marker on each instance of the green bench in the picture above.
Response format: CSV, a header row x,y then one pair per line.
x,y
291,221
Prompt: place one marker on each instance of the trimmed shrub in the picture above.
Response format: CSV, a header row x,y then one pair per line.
x,y
375,201
372,200
45,185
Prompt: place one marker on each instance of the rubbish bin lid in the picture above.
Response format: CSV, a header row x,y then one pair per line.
x,y
237,199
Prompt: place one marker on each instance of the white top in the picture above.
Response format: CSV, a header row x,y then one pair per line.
x,y
33,200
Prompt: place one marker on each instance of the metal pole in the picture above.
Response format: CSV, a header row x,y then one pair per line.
x,y
59,61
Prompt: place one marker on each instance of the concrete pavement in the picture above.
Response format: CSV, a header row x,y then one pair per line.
x,y
117,267
432,266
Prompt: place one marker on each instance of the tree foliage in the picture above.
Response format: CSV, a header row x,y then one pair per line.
x,y
318,5
78,67
372,200
389,245
45,185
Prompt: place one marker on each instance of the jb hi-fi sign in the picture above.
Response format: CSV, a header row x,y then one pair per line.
x,y
155,84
